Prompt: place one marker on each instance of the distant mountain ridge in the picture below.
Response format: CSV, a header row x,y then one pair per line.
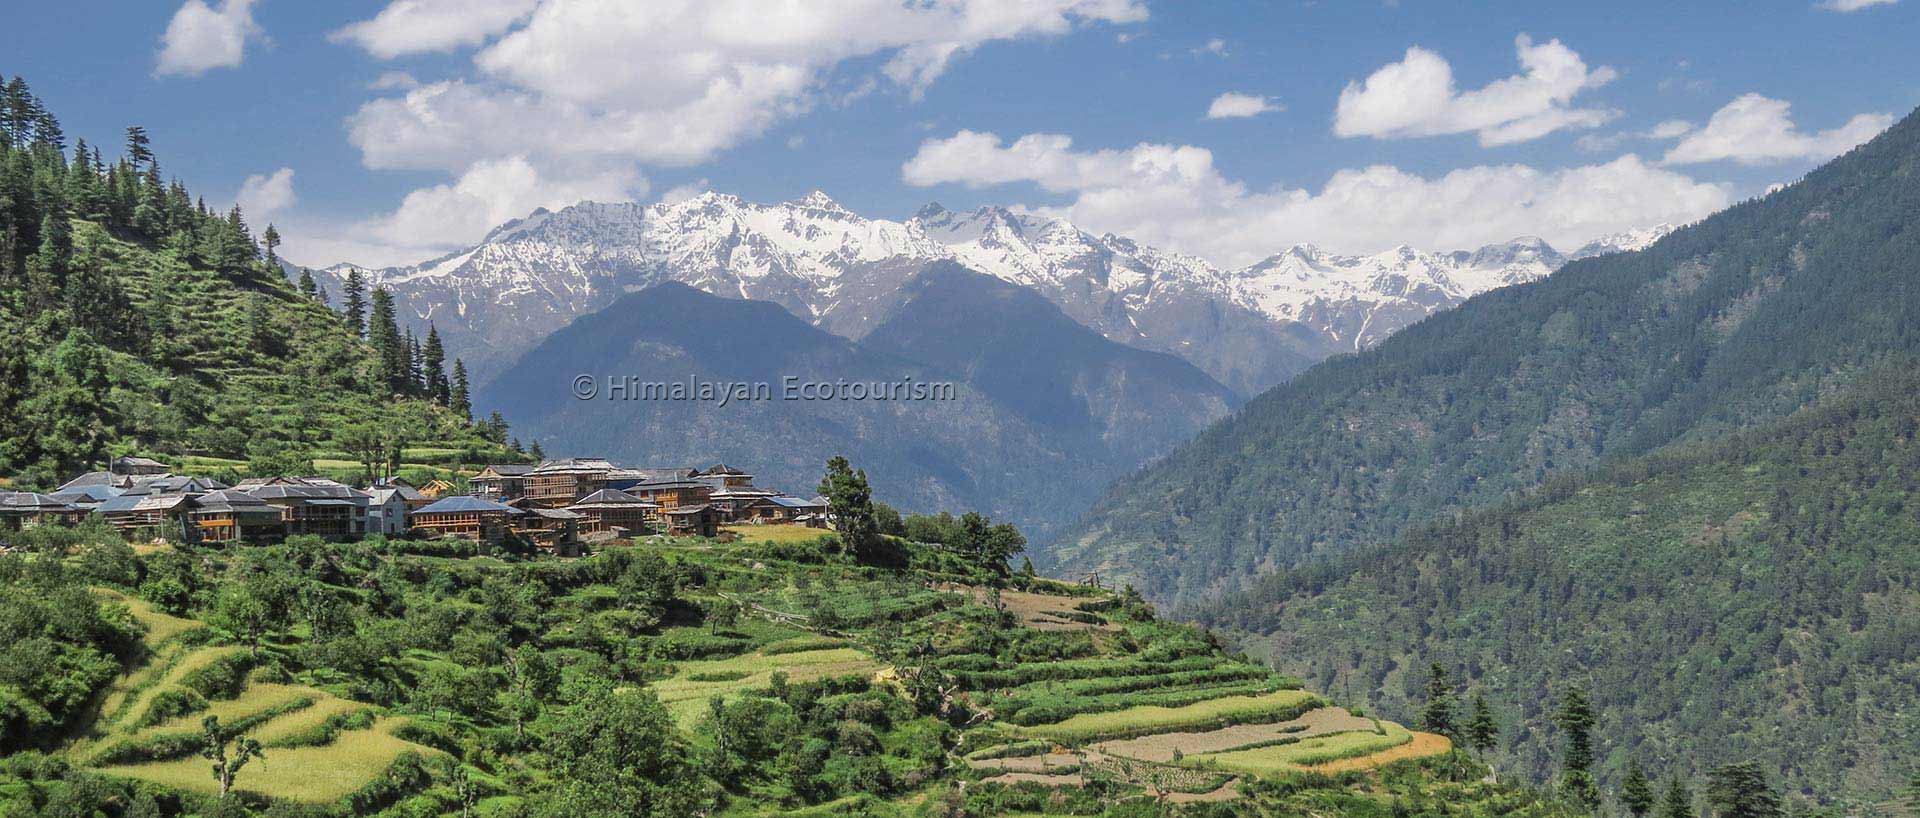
x,y
1025,436
1249,328
1741,318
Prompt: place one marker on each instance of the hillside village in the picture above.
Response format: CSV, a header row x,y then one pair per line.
x,y
555,505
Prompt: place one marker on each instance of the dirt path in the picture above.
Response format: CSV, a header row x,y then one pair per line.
x,y
1422,745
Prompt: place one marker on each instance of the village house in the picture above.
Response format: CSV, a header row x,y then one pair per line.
x,y
691,521
21,510
137,467
501,483
613,510
86,498
313,505
672,494
156,503
466,517
561,483
783,510
230,515
554,529
389,503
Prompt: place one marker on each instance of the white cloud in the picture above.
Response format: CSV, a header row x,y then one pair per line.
x,y
1757,130
1172,195
1215,47
591,89
1599,143
1416,97
264,194
1846,6
419,26
681,193
493,191
201,38
393,81
1231,105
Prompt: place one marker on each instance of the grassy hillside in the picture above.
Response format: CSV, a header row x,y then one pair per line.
x,y
1746,316
1757,597
137,321
668,678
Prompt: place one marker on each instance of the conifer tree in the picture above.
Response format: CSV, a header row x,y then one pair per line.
x,y
389,349
460,400
1439,714
1635,791
307,286
354,297
1576,718
1482,731
433,364
139,147
271,240
1740,791
1678,803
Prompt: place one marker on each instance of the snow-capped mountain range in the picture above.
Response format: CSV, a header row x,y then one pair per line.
x,y
1249,328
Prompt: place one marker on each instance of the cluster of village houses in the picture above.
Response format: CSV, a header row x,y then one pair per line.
x,y
556,505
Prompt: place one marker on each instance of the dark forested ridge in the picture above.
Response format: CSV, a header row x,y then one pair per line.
x,y
1754,597
135,319
1042,413
1748,315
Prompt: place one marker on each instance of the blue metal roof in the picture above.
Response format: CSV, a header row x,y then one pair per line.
x,y
462,503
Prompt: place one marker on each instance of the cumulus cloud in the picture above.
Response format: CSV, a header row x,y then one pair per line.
x,y
451,216
201,38
265,194
1758,130
1846,6
588,89
1233,105
393,81
421,26
1416,97
681,193
1172,195
1600,143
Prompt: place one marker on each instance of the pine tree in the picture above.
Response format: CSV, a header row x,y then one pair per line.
x,y
271,239
414,380
537,453
1678,803
1740,791
1483,733
354,295
139,147
389,349
460,399
307,286
1438,717
434,367
1635,791
1576,718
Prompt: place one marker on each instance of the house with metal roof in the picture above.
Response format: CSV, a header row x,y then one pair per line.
x,y
613,510
314,505
21,510
231,515
466,517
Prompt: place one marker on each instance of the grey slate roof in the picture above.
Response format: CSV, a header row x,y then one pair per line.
x,y
612,498
230,500
463,503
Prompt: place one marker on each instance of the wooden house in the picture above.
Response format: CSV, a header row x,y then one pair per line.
x,y
672,494
156,503
501,482
466,517
137,467
691,521
231,515
314,505
722,475
613,510
555,529
784,510
561,483
21,510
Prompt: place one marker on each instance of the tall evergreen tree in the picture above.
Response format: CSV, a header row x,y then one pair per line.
x,y
139,146
460,399
271,240
308,287
1740,790
354,298
1677,803
434,366
1576,718
1635,791
1439,714
1482,731
390,352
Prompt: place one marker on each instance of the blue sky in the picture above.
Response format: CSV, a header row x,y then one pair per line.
x,y
386,132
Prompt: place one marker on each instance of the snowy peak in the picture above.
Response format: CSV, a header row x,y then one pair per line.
x,y
842,271
1623,242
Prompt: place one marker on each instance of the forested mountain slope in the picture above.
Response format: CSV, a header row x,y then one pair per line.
x,y
1013,424
1754,597
1747,315
133,318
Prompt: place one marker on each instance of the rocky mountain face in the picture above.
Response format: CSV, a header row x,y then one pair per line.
x,y
1249,328
1022,436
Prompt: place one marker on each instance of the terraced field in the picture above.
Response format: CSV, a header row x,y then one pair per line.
x,y
1184,727
320,747
694,683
